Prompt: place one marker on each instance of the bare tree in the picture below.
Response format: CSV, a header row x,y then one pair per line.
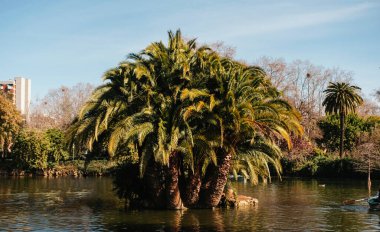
x,y
302,83
369,107
276,68
377,95
368,154
218,46
60,106
223,49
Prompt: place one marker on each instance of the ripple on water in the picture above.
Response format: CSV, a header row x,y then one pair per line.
x,y
89,205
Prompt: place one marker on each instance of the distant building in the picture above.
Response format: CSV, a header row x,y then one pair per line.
x,y
19,90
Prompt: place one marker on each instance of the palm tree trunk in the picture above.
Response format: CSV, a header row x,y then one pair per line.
x,y
341,135
213,188
173,197
192,188
154,185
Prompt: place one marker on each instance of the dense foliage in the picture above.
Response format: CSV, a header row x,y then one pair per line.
x,y
188,116
37,150
30,151
355,126
10,124
57,149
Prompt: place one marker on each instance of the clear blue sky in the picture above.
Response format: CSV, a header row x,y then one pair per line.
x,y
63,42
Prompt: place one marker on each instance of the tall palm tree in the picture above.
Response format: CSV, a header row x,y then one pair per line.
x,y
141,104
248,108
341,98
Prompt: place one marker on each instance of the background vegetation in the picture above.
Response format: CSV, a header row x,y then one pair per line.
x,y
38,145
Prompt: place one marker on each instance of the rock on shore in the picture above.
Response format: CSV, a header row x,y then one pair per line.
x,y
231,200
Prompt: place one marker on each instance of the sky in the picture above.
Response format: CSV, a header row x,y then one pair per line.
x,y
64,42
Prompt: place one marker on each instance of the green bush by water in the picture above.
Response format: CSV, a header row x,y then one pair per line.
x,y
322,166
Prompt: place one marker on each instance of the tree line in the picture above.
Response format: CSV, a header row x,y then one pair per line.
x,y
180,118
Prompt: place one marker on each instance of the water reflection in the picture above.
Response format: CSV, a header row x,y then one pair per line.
x,y
88,204
52,204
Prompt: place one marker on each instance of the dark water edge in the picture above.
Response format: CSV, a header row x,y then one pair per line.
x,y
89,204
76,168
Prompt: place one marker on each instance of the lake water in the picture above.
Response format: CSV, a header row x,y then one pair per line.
x,y
88,204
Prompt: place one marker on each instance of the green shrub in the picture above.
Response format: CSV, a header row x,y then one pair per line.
x,y
99,167
57,150
325,165
36,150
30,151
354,125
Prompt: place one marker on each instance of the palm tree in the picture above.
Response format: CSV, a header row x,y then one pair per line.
x,y
140,106
248,108
183,113
341,98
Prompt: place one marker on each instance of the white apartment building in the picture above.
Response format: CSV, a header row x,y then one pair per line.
x,y
19,90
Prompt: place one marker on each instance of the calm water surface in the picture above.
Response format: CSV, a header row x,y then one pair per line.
x,y
88,204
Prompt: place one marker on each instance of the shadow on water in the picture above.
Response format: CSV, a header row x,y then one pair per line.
x,y
187,220
88,204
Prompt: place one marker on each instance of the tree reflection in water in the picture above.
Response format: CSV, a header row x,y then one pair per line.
x,y
88,204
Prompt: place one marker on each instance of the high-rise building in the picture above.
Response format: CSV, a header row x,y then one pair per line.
x,y
19,90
